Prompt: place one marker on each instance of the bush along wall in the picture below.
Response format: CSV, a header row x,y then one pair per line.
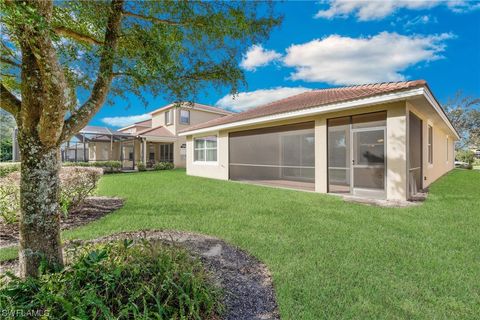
x,y
107,166
163,166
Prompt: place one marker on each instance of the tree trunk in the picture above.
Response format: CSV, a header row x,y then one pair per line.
x,y
40,244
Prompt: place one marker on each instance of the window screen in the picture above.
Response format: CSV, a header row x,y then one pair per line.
x,y
274,153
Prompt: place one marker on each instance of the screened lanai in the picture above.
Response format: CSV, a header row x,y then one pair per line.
x,y
282,156
101,144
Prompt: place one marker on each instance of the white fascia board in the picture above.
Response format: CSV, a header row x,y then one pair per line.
x,y
433,102
391,97
132,126
199,108
158,139
127,127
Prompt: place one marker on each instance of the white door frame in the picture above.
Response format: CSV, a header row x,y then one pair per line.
x,y
368,191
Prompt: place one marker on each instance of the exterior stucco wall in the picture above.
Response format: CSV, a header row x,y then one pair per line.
x,y
396,145
196,117
217,170
396,148
443,154
179,159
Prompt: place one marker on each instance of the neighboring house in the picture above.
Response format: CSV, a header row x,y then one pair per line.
x,y
149,141
386,140
476,151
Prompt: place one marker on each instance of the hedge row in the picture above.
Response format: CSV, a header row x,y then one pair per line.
x,y
108,166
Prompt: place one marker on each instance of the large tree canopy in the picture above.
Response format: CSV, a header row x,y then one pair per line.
x,y
61,59
464,113
170,48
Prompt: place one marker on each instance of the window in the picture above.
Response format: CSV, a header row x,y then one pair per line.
x,y
205,149
168,117
430,144
166,152
447,148
151,152
184,116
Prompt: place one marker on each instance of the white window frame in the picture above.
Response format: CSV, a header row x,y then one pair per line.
x,y
187,111
168,117
430,144
448,149
204,162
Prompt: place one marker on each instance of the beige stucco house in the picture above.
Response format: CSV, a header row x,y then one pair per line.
x,y
386,140
150,141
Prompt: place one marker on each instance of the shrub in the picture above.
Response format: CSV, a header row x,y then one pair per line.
x,y
9,199
141,167
117,280
108,166
466,156
5,169
76,183
163,166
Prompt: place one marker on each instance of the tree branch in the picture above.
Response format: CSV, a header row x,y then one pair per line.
x,y
10,62
80,117
66,32
9,102
152,19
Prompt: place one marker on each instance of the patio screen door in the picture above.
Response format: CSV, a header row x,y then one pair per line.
x,y
414,154
368,162
356,155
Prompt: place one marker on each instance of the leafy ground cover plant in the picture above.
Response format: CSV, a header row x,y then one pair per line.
x,y
117,280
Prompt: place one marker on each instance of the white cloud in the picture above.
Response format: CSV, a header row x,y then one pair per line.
x,y
408,23
344,60
126,120
257,56
247,100
374,9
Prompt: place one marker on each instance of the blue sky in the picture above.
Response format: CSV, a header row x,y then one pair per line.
x,y
325,44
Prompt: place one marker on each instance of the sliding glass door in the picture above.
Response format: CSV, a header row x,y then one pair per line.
x,y
166,152
356,155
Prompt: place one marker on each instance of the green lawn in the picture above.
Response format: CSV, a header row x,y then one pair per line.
x,y
329,258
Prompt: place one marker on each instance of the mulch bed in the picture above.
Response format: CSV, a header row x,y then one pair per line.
x,y
246,282
92,209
